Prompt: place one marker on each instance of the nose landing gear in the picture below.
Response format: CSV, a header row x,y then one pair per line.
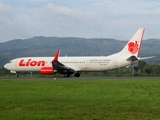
x,y
16,75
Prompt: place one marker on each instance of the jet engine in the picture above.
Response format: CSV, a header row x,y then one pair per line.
x,y
47,70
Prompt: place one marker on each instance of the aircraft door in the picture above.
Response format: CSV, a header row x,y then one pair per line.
x,y
115,63
16,63
87,62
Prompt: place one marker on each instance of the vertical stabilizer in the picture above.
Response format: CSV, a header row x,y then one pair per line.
x,y
133,47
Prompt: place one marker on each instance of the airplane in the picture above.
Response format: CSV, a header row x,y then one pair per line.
x,y
67,66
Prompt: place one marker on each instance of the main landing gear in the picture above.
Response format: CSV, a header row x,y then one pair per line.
x,y
77,74
68,74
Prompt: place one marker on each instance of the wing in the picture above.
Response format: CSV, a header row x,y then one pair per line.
x,y
61,68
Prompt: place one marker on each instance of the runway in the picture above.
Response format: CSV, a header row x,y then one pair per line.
x,y
80,78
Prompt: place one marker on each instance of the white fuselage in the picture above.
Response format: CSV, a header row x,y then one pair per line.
x,y
94,63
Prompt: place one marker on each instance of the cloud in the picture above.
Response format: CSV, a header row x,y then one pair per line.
x,y
39,0
89,18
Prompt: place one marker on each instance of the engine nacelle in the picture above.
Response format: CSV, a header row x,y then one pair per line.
x,y
47,70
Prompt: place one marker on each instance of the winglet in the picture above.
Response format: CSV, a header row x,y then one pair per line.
x,y
57,56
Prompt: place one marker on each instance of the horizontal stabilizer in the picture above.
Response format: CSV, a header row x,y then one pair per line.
x,y
143,58
132,58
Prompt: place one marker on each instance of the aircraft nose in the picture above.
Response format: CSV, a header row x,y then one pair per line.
x,y
6,66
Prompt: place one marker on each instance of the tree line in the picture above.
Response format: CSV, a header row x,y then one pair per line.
x,y
141,69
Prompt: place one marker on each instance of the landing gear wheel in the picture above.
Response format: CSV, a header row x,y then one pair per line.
x,y
66,75
16,75
77,74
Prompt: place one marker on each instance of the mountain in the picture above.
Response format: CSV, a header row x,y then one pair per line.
x,y
71,46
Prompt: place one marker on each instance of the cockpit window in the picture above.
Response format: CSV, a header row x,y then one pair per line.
x,y
11,61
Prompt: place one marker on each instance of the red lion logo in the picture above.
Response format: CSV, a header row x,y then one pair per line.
x,y
133,47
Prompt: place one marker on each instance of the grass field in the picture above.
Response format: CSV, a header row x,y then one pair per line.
x,y
80,100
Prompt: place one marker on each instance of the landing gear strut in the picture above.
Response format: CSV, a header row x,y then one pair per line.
x,y
16,75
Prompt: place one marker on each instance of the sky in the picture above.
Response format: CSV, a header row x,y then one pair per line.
x,y
118,19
